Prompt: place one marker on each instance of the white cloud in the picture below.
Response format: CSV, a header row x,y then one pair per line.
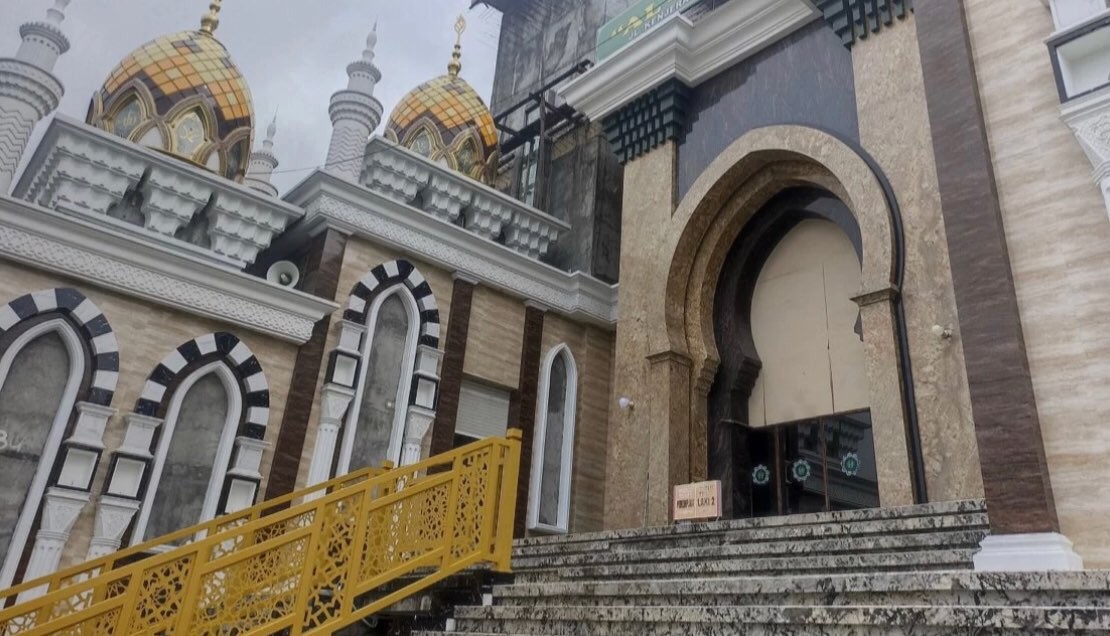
x,y
293,53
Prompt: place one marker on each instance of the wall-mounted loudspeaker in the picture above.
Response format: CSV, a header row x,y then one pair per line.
x,y
284,273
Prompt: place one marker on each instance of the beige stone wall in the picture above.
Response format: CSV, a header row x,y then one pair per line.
x,y
894,130
146,334
360,257
592,349
1059,243
495,338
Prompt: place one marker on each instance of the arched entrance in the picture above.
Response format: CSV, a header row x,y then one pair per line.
x,y
667,353
789,407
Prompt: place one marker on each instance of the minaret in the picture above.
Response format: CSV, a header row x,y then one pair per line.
x,y
355,113
262,164
28,89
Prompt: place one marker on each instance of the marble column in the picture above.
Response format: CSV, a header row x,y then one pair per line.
x,y
60,510
417,423
113,517
334,400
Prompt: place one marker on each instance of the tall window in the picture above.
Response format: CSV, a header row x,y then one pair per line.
x,y
553,448
376,422
40,374
193,452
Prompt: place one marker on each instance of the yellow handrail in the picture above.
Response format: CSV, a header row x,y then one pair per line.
x,y
87,569
311,568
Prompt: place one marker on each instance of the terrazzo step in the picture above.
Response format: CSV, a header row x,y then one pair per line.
x,y
852,543
721,620
829,525
1021,589
956,559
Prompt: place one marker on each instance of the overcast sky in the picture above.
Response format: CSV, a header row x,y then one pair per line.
x,y
293,53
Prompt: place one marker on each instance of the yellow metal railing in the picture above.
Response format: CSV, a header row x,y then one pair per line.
x,y
311,568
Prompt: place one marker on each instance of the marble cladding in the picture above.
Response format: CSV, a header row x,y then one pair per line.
x,y
894,129
147,333
411,179
1058,241
810,75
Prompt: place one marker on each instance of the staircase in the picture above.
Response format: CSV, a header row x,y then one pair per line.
x,y
884,571
314,562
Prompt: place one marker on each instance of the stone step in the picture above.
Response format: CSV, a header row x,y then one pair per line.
x,y
1019,589
721,620
717,537
975,508
958,559
852,543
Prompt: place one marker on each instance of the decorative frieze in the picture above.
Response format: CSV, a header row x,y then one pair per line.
x,y
413,180
1089,119
854,20
81,170
648,121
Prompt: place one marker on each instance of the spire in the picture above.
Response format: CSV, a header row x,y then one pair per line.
x,y
211,20
263,162
455,65
29,91
371,42
355,113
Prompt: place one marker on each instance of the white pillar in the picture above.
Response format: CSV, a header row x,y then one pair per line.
x,y
113,517
1033,552
417,423
334,400
60,510
355,113
28,89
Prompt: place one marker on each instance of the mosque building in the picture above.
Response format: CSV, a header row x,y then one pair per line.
x,y
843,257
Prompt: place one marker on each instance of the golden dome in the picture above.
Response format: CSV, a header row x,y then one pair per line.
x,y
446,120
183,95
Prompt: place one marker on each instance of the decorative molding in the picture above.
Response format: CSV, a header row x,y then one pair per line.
x,y
854,20
647,121
1089,118
415,180
687,51
372,215
155,272
113,518
85,171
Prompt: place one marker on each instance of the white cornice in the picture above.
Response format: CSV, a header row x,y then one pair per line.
x,y
363,212
155,272
691,52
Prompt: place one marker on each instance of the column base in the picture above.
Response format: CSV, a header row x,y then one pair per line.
x,y
1034,552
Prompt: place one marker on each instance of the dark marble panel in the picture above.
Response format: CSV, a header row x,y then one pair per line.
x,y
323,261
805,78
454,355
525,408
1011,452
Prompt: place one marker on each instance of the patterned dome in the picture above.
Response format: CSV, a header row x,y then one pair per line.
x,y
183,95
445,120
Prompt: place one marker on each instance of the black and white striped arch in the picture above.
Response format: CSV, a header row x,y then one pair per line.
x,y
385,276
203,350
91,323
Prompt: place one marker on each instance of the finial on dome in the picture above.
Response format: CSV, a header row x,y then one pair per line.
x,y
455,65
371,42
271,131
211,20
57,14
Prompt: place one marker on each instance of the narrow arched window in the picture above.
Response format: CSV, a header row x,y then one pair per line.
x,y
376,422
193,452
553,447
40,374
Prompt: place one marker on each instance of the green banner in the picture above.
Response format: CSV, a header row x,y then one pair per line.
x,y
634,22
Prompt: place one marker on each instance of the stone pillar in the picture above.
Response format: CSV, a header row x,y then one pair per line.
x,y
334,400
669,433
113,518
454,357
417,424
355,113
28,89
60,510
528,388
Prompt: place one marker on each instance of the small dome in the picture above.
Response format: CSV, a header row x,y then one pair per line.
x,y
183,95
446,120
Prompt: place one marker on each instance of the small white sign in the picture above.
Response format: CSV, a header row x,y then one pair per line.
x,y
701,500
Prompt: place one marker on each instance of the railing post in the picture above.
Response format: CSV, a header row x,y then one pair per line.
x,y
510,474
357,548
452,512
308,573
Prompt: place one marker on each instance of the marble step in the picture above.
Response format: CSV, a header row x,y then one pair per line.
x,y
954,559
973,511
884,527
852,543
690,620
1013,589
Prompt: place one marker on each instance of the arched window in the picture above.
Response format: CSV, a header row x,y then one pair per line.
x,y
189,133
41,372
553,447
193,452
375,425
